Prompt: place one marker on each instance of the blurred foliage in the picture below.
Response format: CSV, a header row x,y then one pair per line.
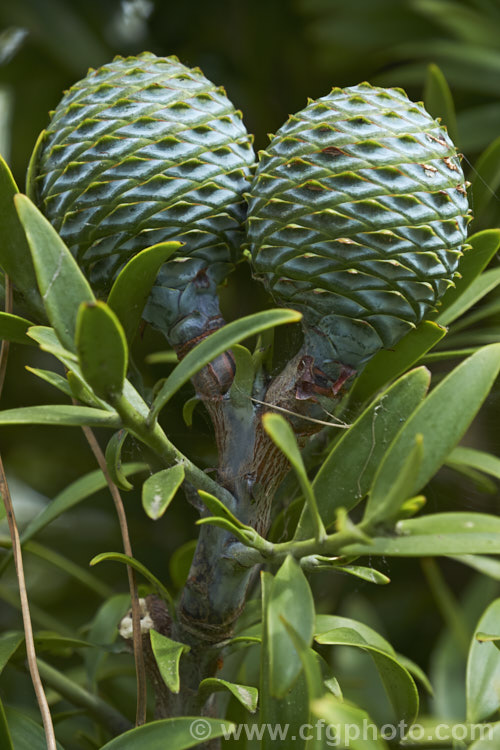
x,y
270,55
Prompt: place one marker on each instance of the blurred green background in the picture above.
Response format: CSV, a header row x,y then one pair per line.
x,y
270,55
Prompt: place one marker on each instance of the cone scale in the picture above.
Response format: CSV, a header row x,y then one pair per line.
x,y
141,151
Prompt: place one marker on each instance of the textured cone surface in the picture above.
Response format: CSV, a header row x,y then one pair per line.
x,y
358,216
141,151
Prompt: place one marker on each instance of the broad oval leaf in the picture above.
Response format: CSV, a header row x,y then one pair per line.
x,y
347,473
15,256
13,328
168,655
216,344
62,285
132,286
291,599
175,734
483,669
102,350
398,682
442,418
244,694
159,490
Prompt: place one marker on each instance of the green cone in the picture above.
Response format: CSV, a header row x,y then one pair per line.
x,y
141,151
357,217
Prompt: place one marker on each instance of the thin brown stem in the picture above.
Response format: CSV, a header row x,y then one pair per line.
x,y
28,630
134,597
18,561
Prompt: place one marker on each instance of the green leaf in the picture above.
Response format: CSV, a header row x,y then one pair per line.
x,y
160,358
283,436
60,415
216,344
346,717
53,378
104,630
388,364
218,509
15,256
442,418
416,672
320,562
488,566
47,340
483,669
347,473
159,490
140,568
72,495
389,493
398,682
490,739
9,643
175,734
67,566
436,534
13,328
26,733
62,285
326,623
291,599
188,409
241,388
102,349
132,286
485,178
168,655
81,392
114,460
5,738
475,459
479,288
438,100
180,563
294,708
483,247
247,696
309,661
